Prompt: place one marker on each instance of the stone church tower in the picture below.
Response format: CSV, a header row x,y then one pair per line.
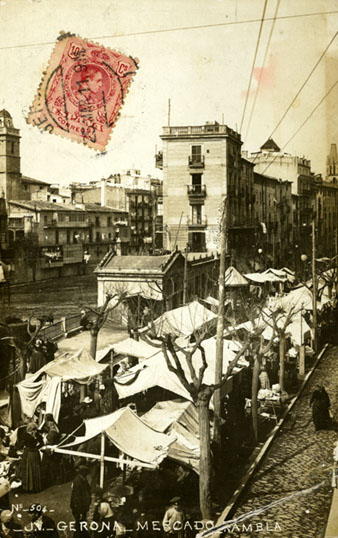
x,y
10,175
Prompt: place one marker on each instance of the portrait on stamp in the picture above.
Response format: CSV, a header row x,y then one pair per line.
x,y
82,91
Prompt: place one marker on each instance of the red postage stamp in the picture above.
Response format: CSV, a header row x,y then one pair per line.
x,y
82,91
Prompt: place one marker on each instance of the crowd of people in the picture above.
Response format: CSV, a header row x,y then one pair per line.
x,y
41,353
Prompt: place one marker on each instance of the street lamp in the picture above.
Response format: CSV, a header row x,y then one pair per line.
x,y
304,260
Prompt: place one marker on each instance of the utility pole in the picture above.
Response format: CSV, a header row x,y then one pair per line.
x,y
153,216
185,277
314,283
169,107
220,325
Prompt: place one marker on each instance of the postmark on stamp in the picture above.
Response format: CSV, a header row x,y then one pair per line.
x,y
82,91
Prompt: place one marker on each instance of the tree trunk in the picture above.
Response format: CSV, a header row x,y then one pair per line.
x,y
205,457
220,330
254,392
282,362
94,331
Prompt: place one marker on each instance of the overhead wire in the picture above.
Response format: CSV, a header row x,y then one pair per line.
x,y
302,125
179,28
300,89
253,63
262,68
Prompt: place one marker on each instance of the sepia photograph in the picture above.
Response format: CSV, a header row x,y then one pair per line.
x,y
168,269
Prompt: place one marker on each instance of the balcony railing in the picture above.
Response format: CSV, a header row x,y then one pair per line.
x,y
196,191
197,222
159,160
196,161
54,223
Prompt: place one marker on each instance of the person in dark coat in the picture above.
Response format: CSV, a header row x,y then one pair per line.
x,y
81,496
50,465
37,358
320,402
42,526
31,462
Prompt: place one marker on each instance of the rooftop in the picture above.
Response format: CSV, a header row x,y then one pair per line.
x,y
26,179
126,264
210,129
5,114
41,205
270,145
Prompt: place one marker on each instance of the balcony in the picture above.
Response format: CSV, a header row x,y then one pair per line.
x,y
54,223
196,161
197,222
159,160
196,191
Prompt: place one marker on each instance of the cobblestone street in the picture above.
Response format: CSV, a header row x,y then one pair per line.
x,y
299,459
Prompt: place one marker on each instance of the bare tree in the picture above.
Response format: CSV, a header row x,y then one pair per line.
x,y
200,393
260,317
100,315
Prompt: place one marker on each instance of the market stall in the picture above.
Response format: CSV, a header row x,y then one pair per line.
x,y
45,385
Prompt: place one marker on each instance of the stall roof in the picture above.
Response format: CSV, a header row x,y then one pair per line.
x,y
164,414
135,348
284,274
233,278
130,434
261,278
76,366
185,320
154,372
179,418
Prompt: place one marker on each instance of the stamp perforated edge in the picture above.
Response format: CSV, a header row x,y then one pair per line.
x,y
37,97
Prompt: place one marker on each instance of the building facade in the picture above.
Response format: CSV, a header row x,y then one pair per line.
x,y
202,165
50,240
297,170
273,210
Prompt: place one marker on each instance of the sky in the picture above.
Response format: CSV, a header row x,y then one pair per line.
x,y
204,71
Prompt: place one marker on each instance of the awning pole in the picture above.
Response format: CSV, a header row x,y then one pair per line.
x,y
102,461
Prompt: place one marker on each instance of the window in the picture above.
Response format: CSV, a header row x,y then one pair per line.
x,y
196,154
97,221
45,220
98,237
108,221
196,181
196,213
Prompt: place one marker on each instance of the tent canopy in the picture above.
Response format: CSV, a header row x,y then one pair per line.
x,y
130,434
262,278
77,367
284,273
185,320
134,348
179,418
233,278
154,372
45,384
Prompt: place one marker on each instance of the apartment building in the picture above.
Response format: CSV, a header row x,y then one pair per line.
x,y
202,165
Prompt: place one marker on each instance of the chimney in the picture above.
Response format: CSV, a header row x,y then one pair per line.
x,y
103,191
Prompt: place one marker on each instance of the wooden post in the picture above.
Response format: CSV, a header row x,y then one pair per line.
x,y
111,363
314,284
301,361
185,277
220,327
102,461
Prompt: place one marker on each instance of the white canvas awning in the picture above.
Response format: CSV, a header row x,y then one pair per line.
x,y
185,320
130,434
